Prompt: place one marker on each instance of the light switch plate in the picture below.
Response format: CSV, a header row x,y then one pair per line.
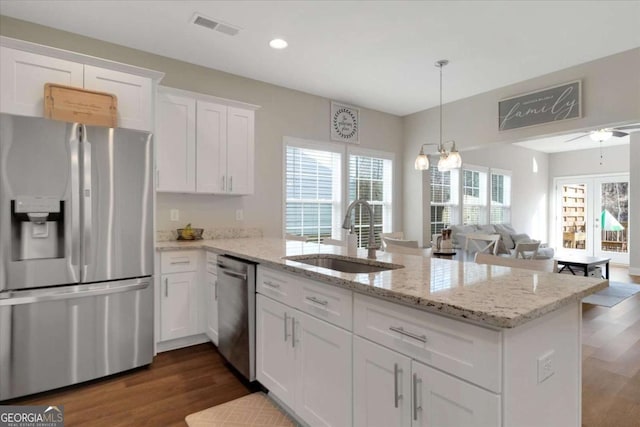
x,y
239,214
174,215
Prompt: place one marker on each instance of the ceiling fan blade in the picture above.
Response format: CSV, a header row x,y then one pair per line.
x,y
577,137
628,127
618,134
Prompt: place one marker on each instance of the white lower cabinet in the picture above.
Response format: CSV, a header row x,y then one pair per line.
x,y
381,386
211,306
390,389
305,362
178,305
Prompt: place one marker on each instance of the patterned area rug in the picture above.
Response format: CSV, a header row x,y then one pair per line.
x,y
255,410
614,294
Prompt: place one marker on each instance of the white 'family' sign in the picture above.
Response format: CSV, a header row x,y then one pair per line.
x,y
556,103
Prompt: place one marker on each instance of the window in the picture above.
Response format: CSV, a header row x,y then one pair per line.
x,y
500,208
474,195
370,179
444,199
318,185
313,196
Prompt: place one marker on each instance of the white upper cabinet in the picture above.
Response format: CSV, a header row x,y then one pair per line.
x,y
240,150
223,162
176,142
23,76
212,147
134,95
24,70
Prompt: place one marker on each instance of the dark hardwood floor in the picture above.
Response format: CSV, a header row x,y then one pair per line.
x,y
177,384
188,380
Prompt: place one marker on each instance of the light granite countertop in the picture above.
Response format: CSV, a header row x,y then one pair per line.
x,y
493,296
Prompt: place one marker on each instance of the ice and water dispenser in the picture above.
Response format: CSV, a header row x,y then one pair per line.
x,y
37,225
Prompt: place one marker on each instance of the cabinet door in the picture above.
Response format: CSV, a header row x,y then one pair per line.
x,y
178,306
176,143
240,154
211,163
444,401
23,76
381,386
211,307
134,95
324,375
274,350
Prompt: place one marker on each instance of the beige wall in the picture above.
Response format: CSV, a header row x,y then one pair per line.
x,y
284,112
610,93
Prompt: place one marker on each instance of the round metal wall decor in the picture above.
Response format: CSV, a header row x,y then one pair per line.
x,y
344,123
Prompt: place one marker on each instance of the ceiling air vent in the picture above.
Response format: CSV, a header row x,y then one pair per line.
x,y
216,25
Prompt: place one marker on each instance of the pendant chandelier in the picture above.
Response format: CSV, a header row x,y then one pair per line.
x,y
449,159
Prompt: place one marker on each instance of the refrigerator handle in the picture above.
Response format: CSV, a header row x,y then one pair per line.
x,y
87,205
74,244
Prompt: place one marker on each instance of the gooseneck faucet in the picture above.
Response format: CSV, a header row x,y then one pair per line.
x,y
371,247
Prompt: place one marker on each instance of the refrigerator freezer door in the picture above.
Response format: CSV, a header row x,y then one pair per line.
x,y
38,161
117,231
66,335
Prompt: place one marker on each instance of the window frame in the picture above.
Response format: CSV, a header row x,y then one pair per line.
x,y
453,204
483,217
387,216
338,200
506,207
345,152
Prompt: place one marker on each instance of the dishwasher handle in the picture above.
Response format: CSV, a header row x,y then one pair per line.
x,y
232,273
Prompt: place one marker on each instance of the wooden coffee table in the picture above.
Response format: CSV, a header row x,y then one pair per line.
x,y
582,262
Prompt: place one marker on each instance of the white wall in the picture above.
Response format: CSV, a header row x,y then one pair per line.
x,y
529,184
284,112
634,204
587,162
610,93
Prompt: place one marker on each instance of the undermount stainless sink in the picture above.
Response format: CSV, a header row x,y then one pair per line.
x,y
343,263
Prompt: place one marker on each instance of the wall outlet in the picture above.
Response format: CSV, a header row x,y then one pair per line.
x,y
239,214
545,366
174,215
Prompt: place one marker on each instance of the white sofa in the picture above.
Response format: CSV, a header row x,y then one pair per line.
x,y
508,238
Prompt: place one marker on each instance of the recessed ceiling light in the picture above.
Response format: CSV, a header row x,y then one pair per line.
x,y
278,44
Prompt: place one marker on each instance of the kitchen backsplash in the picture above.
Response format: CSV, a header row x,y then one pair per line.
x,y
213,233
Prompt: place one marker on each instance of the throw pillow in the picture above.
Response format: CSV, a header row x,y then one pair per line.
x,y
521,238
505,232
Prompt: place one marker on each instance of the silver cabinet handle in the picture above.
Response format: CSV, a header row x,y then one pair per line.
x,y
286,334
215,290
271,284
157,178
318,301
180,262
401,331
166,287
223,187
293,332
231,183
416,407
396,395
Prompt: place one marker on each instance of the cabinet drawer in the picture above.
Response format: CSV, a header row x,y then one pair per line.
x,y
278,285
326,302
211,261
179,261
461,349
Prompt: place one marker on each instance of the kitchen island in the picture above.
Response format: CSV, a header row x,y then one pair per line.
x,y
434,342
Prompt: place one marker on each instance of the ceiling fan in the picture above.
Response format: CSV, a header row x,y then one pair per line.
x,y
600,135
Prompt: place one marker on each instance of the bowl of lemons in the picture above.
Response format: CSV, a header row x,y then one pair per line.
x,y
189,233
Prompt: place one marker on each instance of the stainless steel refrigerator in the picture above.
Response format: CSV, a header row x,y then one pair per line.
x,y
76,253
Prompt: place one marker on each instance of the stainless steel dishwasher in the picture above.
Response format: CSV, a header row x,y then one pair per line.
x,y
236,314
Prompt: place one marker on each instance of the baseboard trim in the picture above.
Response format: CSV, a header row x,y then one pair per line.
x,y
634,271
181,342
